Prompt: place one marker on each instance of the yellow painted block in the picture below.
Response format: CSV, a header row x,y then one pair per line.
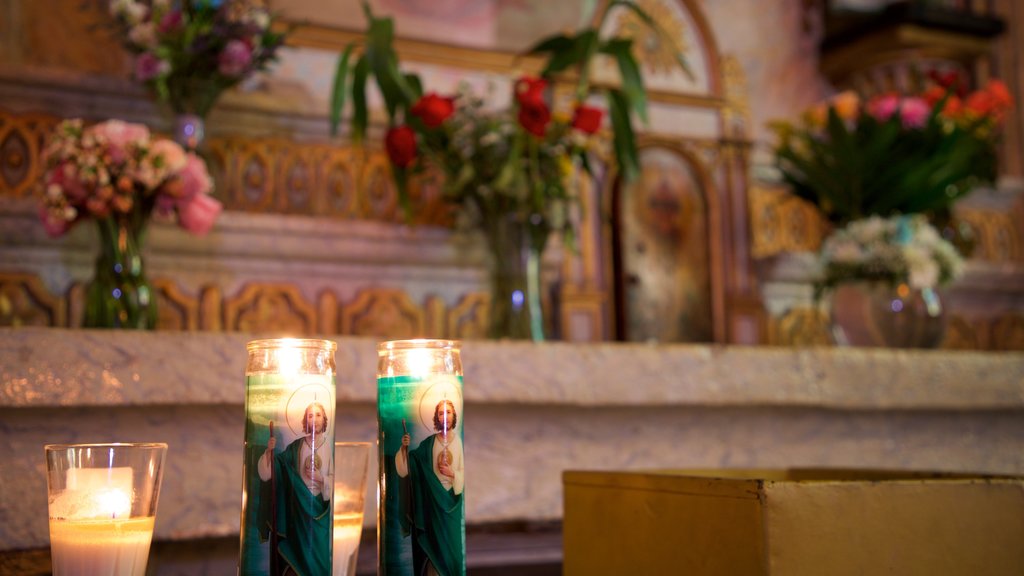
x,y
791,523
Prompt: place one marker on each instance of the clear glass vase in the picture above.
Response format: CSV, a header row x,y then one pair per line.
x,y
119,295
515,245
882,315
189,131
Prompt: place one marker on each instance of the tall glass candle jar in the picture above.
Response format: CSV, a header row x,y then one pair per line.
x,y
288,467
421,518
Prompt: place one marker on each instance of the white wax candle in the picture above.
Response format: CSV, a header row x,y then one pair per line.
x,y
116,547
347,529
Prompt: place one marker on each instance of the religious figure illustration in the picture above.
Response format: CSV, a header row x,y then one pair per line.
x,y
431,484
297,511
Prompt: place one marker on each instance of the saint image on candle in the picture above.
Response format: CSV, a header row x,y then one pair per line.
x,y
91,528
433,475
301,496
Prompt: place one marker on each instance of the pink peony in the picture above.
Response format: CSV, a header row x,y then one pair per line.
x,y
119,136
172,156
235,59
149,66
63,176
195,180
914,112
883,107
196,214
55,226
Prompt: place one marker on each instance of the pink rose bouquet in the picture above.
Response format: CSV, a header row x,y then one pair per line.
x,y
893,153
189,51
119,170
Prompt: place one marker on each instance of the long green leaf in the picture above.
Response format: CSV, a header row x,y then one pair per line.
x,y
632,80
359,112
625,143
556,43
660,31
340,89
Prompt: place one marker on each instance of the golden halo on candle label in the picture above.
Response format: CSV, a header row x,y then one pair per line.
x,y
300,399
434,390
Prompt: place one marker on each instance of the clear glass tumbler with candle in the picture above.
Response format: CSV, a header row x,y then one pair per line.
x,y
102,506
351,461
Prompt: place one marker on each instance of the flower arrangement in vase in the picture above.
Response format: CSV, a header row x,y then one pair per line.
x,y
118,175
187,52
876,169
507,171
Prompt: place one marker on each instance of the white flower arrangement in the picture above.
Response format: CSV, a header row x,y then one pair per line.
x,y
896,250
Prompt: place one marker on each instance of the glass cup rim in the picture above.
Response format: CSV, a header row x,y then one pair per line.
x,y
150,445
419,343
354,443
301,343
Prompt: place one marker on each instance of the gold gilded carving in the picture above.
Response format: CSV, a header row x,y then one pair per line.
x,y
736,111
657,50
22,139
383,313
582,316
435,321
1008,332
781,222
210,318
24,301
997,233
467,320
800,327
175,309
327,312
340,177
275,308
961,334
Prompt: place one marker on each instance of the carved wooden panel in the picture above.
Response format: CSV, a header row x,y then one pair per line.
x,y
1008,332
275,308
781,222
800,327
997,233
386,313
175,309
962,334
22,139
24,301
468,319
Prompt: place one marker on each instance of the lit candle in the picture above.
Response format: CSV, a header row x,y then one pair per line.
x,y
91,528
347,529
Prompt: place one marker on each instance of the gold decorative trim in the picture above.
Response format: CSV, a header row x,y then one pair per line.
x,y
780,222
175,309
468,319
270,307
383,313
24,301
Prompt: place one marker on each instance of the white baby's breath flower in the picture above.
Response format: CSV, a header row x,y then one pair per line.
x,y
143,35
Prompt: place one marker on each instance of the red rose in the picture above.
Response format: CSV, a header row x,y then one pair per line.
x,y
530,90
587,118
534,117
400,143
433,110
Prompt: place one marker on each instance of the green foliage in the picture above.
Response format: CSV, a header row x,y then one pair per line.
x,y
493,166
859,167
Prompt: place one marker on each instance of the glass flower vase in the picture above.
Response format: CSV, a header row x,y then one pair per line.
x,y
515,245
189,131
119,295
874,313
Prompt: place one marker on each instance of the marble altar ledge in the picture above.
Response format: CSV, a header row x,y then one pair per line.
x,y
45,367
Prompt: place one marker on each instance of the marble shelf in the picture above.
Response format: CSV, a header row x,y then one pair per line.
x,y
532,411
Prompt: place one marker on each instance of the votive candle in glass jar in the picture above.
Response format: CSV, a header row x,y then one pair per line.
x,y
287,470
421,518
